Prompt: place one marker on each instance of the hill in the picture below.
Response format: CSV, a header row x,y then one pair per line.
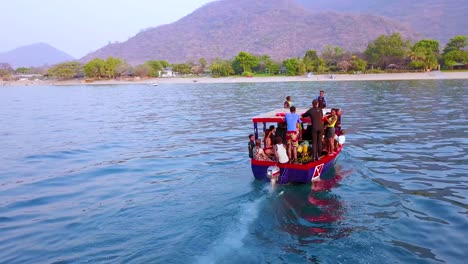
x,y
34,55
437,19
280,28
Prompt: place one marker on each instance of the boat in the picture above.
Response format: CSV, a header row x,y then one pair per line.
x,y
154,84
289,173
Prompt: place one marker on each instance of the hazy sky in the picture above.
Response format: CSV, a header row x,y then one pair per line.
x,y
78,27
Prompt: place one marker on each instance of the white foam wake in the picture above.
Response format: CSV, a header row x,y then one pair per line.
x,y
232,241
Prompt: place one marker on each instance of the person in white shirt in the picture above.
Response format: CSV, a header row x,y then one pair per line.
x,y
280,151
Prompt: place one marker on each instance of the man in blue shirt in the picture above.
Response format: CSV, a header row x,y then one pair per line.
x,y
292,120
322,102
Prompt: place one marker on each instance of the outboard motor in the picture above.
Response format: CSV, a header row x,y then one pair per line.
x,y
273,172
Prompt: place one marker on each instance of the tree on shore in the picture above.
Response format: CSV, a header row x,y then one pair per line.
x,y
424,55
221,68
313,63
110,67
95,68
244,62
182,68
203,63
294,66
65,71
157,66
5,70
387,50
99,68
266,65
143,70
456,43
23,70
454,52
332,55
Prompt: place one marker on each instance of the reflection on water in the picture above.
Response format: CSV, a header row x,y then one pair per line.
x,y
312,213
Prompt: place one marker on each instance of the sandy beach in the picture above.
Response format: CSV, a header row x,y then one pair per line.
x,y
315,78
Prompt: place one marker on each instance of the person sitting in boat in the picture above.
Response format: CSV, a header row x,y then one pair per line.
x,y
258,153
269,141
292,119
288,102
280,151
330,132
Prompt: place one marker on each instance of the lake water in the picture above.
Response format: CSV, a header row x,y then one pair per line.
x,y
142,174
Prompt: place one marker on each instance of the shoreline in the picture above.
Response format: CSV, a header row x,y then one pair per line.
x,y
273,79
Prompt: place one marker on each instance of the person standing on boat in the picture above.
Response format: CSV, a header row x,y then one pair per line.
x,y
288,102
316,115
322,102
292,119
251,145
330,135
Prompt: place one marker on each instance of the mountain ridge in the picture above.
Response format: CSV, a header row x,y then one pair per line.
x,y
435,19
34,55
280,28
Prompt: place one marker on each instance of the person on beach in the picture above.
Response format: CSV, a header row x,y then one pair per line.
x,y
316,115
280,151
251,145
292,119
330,134
288,102
258,153
322,102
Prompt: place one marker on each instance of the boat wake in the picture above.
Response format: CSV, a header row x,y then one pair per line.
x,y
232,241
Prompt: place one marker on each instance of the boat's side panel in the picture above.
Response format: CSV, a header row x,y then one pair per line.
x,y
288,174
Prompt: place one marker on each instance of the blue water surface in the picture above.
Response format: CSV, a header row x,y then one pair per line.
x,y
143,174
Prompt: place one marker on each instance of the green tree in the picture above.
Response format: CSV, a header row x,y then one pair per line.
x,y
429,45
358,64
221,68
455,56
294,66
156,66
424,55
313,63
23,70
203,63
387,49
456,43
64,71
266,65
110,67
95,68
244,62
143,70
454,53
182,68
332,55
